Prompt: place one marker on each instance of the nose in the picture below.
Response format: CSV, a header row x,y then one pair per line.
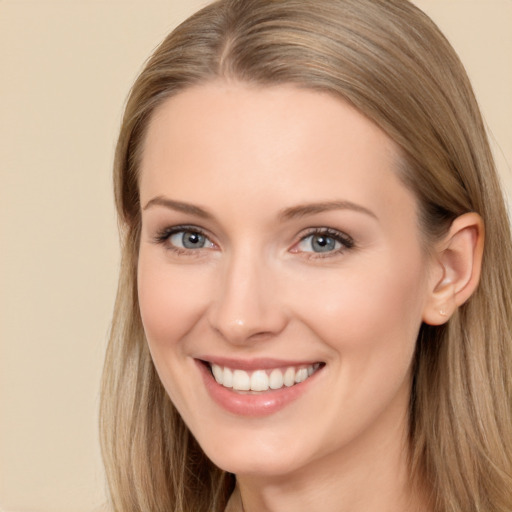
x,y
246,306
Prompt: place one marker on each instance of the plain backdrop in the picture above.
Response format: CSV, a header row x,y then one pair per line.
x,y
65,69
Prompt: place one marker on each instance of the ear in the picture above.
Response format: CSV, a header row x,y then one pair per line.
x,y
456,268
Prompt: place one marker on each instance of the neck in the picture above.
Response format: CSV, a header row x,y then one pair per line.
x,y
371,474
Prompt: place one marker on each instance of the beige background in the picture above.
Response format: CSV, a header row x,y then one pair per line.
x,y
66,66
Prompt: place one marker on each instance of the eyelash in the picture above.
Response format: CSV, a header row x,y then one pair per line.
x,y
346,242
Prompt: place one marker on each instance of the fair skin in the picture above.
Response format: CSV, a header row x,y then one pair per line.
x,y
276,234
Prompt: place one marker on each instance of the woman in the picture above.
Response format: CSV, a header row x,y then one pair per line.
x,y
308,317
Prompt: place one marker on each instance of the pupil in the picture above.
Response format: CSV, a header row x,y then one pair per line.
x,y
323,243
193,240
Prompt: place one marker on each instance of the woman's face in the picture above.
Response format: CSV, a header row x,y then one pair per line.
x,y
281,252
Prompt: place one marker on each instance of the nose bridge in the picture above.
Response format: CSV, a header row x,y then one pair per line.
x,y
246,305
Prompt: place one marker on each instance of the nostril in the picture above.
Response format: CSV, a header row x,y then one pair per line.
x,y
261,336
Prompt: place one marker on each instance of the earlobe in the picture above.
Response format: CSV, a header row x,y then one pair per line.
x,y
457,261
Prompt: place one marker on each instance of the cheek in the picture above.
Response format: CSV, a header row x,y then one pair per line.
x,y
370,321
171,300
374,307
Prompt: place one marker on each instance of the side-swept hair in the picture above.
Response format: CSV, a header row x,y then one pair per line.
x,y
391,62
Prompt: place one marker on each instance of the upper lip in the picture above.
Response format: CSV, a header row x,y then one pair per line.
x,y
260,363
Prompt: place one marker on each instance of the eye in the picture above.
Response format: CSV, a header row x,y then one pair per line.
x,y
324,241
182,238
188,240
318,243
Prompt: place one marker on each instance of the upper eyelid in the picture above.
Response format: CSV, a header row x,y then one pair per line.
x,y
331,232
171,230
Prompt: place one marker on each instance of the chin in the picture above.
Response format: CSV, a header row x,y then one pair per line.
x,y
251,465
255,454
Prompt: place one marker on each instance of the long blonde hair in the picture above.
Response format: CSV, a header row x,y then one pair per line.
x,y
391,62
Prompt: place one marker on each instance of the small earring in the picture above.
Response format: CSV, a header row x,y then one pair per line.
x,y
443,312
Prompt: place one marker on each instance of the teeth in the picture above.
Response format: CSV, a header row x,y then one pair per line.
x,y
227,377
301,375
289,377
241,380
261,380
218,373
276,379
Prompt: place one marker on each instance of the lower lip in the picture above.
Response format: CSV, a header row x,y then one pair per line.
x,y
253,404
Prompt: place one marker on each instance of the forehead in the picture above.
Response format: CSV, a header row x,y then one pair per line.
x,y
286,144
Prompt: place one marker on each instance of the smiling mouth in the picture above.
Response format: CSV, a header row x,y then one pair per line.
x,y
261,379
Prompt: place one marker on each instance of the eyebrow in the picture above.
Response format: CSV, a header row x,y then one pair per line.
x,y
292,212
178,206
314,208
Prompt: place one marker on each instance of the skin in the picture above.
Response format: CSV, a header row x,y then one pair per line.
x,y
244,155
